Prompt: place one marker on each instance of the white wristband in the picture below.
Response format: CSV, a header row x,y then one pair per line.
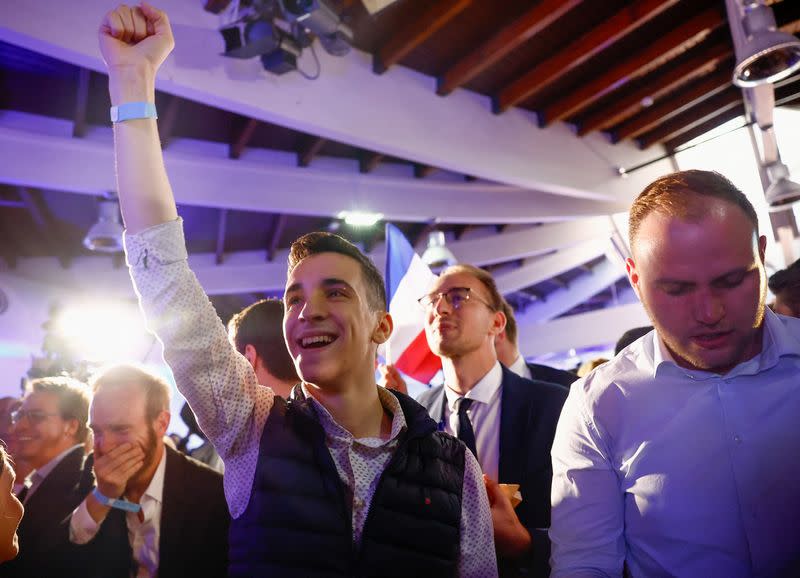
x,y
133,110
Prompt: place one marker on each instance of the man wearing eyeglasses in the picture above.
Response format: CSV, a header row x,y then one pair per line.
x,y
50,429
506,420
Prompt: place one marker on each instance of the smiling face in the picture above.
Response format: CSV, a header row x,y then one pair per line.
x,y
331,331
10,513
118,415
456,333
703,284
42,433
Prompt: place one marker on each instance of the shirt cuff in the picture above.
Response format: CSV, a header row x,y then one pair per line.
x,y
160,244
82,527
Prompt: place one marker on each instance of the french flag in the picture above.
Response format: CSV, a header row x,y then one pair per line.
x,y
408,279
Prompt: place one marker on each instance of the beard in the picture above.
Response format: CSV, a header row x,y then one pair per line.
x,y
150,449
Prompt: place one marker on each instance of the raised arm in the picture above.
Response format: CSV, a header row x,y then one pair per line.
x,y
134,42
219,384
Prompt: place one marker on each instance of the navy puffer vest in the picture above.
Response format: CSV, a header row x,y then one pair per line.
x,y
298,520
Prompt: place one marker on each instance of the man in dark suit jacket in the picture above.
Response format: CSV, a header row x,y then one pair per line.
x,y
153,509
509,421
508,354
50,428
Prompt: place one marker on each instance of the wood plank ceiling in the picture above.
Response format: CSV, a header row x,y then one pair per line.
x,y
655,71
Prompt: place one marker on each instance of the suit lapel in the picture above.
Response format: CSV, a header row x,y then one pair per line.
x,y
514,414
172,511
50,493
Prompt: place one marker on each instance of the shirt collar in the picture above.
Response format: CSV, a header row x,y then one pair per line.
x,y
45,470
777,342
155,489
484,391
333,430
520,367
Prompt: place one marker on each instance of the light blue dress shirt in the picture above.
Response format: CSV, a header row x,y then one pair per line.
x,y
681,472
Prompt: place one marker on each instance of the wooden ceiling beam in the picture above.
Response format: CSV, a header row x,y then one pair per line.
x,y
662,49
309,149
415,32
506,40
693,117
81,103
49,232
222,227
278,223
703,59
674,105
581,50
241,141
703,128
166,124
422,171
368,161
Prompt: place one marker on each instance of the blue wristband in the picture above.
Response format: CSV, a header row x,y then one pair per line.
x,y
133,110
118,504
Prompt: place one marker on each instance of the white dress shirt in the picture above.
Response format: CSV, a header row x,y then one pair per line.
x,y
484,414
37,476
143,535
521,368
680,472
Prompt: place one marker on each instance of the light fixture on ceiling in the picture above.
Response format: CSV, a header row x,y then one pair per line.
x,y
763,53
105,236
782,191
437,255
359,218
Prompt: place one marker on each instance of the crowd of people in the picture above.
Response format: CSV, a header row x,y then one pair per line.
x,y
673,458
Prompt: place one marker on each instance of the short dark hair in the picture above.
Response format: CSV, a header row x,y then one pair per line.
x,y
672,194
321,242
73,399
511,322
261,325
156,390
495,299
788,278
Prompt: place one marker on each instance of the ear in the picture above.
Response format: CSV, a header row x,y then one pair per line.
x,y
161,422
71,428
383,329
251,355
633,275
762,247
498,323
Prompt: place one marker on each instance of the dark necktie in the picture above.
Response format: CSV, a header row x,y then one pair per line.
x,y
465,432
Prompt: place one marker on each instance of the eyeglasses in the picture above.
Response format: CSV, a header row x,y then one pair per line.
x,y
34,416
455,297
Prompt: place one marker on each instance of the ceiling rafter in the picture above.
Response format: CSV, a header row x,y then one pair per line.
x,y
581,50
693,117
309,148
674,105
81,103
415,32
702,59
661,50
166,124
704,127
368,161
422,171
243,138
222,226
49,232
503,42
278,223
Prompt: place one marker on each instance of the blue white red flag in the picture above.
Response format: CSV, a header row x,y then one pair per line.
x,y
408,279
